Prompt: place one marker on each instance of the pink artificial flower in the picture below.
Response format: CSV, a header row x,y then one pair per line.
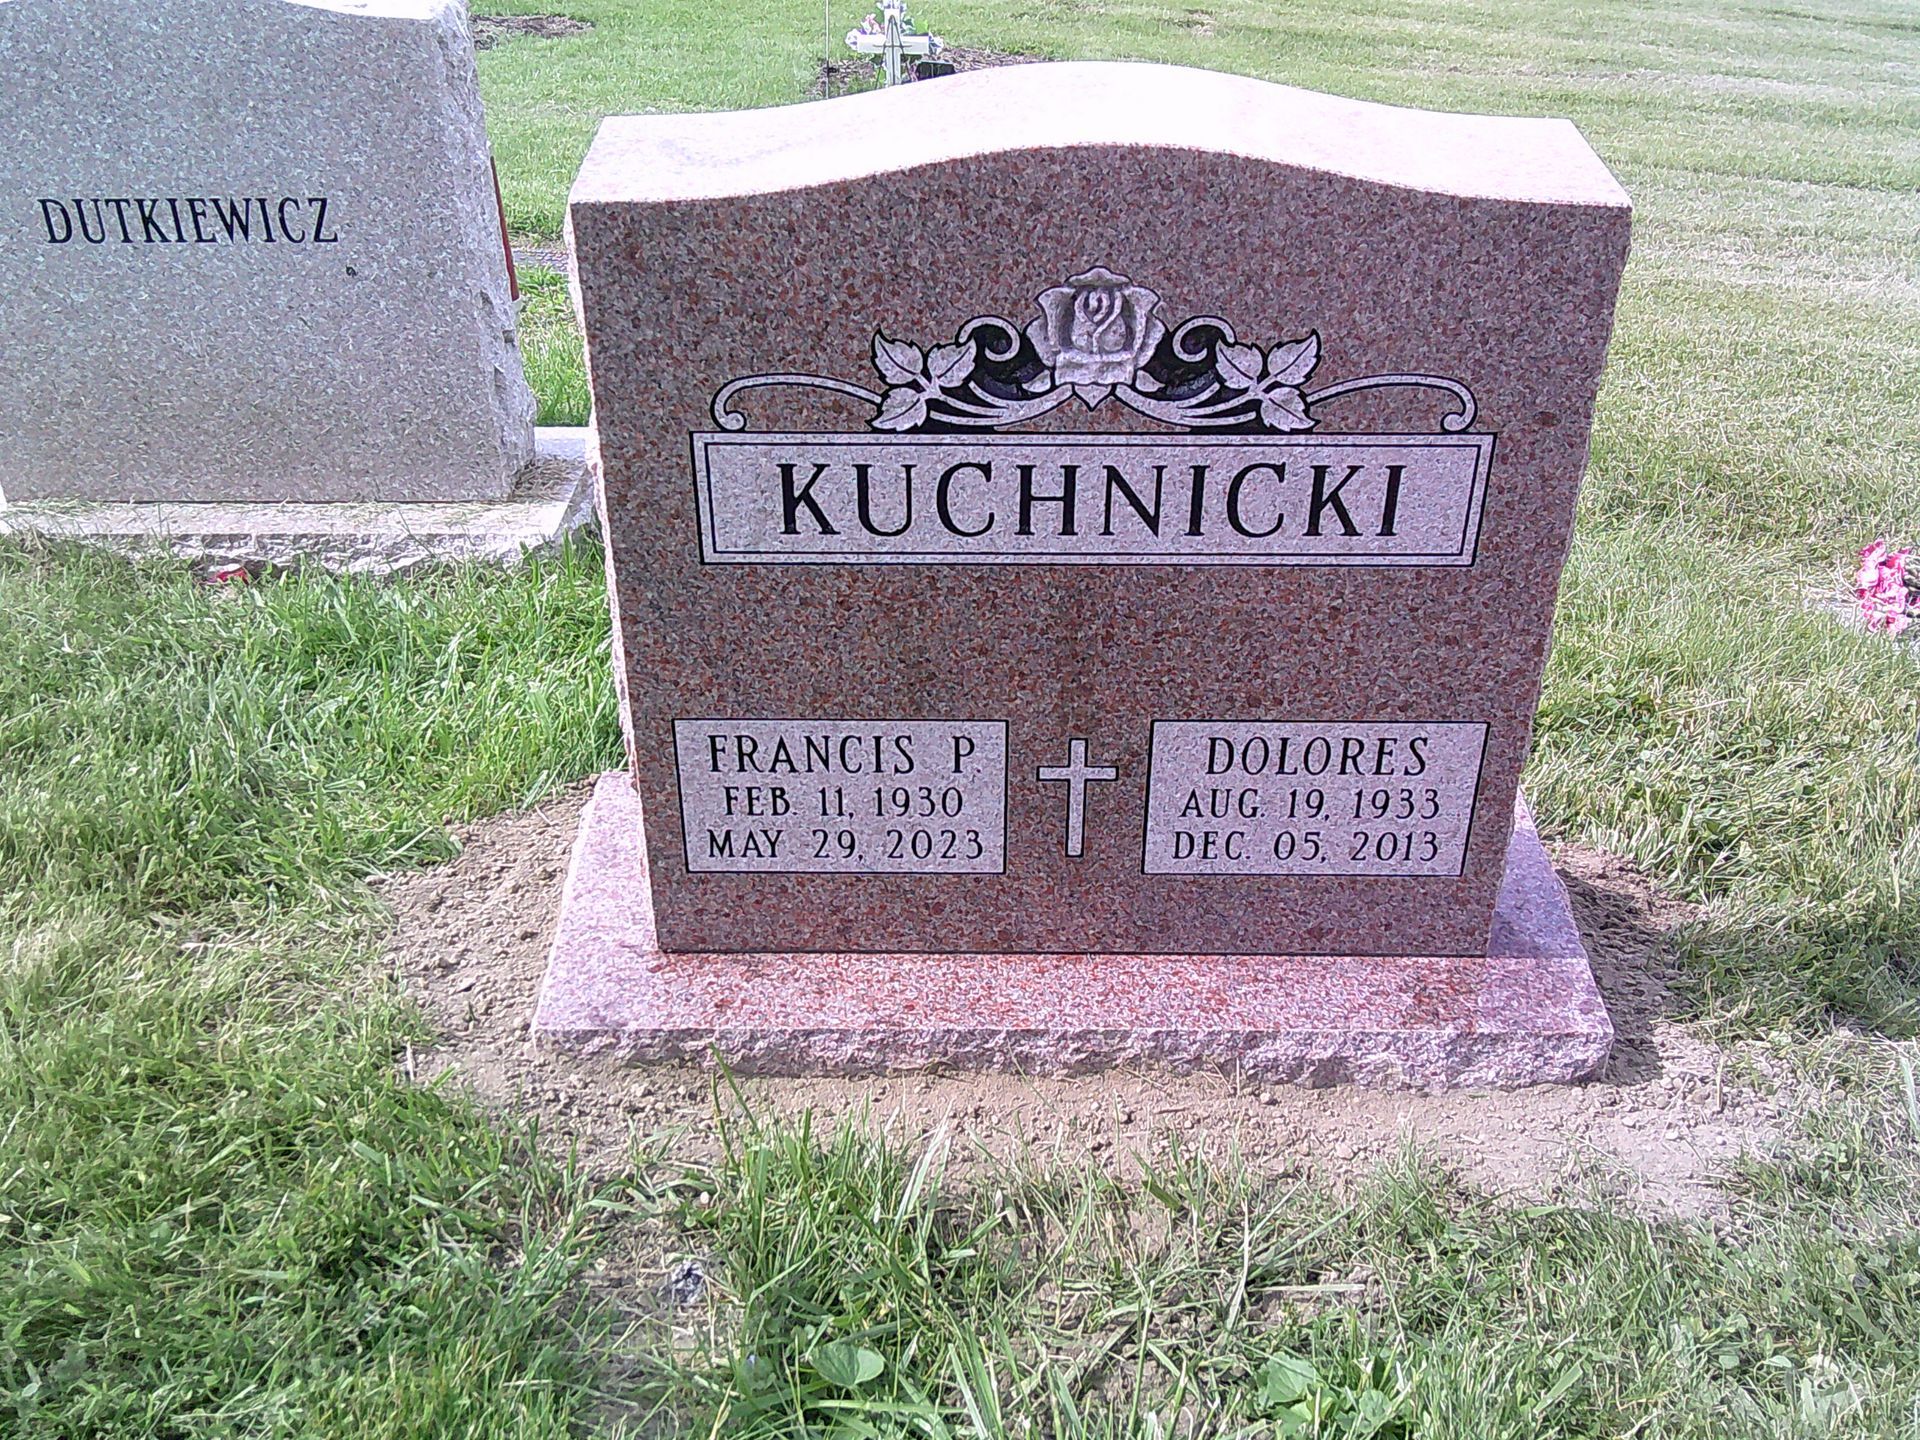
x,y
1884,589
1870,559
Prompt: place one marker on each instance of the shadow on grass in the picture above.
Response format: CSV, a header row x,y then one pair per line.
x,y
1627,926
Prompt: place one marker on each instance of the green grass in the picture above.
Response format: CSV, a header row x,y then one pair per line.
x,y
223,1211
1202,1303
550,345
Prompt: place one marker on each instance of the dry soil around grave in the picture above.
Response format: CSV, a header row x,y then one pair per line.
x,y
492,30
839,76
1655,1132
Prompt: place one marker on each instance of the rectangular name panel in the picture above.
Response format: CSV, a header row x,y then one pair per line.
x,y
843,797
838,499
1281,797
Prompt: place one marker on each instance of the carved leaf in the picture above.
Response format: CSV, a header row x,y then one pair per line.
x,y
949,365
1292,362
901,408
1238,365
900,362
1284,408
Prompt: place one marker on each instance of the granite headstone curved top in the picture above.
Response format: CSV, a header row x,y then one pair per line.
x,y
1097,512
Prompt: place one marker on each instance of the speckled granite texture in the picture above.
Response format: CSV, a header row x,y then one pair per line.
x,y
709,248
1527,1013
250,251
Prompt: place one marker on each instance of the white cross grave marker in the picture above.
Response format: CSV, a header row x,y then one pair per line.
x,y
890,37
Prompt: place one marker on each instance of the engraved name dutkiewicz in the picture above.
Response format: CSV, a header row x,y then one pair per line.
x,y
188,220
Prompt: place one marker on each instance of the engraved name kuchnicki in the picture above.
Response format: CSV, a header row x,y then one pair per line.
x,y
942,475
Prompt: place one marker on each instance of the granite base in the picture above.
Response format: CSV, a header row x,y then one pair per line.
x,y
1526,1013
552,499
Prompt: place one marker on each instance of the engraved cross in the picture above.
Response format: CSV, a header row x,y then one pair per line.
x,y
1076,773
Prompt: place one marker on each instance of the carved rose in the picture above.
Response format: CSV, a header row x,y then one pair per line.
x,y
1096,331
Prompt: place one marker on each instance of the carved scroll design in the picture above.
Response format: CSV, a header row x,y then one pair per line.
x,y
1099,337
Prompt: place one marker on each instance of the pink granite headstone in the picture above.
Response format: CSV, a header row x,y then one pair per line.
x,y
1083,543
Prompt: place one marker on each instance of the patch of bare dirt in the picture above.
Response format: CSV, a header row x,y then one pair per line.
x,y
492,30
837,77
1655,1132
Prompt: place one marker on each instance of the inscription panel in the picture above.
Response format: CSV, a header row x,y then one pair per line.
x,y
1090,499
846,797
1277,797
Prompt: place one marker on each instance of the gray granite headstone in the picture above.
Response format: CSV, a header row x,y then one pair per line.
x,y
250,250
